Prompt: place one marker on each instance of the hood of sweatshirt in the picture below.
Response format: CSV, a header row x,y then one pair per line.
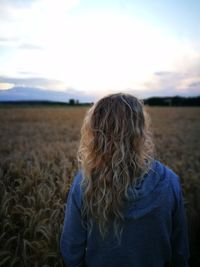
x,y
146,195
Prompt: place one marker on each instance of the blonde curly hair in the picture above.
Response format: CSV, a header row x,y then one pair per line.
x,y
115,151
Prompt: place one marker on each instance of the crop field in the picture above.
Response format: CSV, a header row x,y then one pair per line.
x,y
38,148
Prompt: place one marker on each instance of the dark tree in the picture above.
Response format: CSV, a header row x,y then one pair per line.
x,y
71,101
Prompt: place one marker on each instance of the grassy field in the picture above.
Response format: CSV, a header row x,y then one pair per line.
x,y
37,164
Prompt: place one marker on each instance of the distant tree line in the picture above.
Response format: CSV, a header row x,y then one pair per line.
x,y
71,102
152,101
172,101
159,101
75,102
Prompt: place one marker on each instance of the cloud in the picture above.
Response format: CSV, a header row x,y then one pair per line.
x,y
195,84
6,86
14,42
17,3
195,88
29,46
8,39
165,83
165,73
37,82
9,9
25,23
28,74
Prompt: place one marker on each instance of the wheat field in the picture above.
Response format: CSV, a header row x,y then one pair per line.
x,y
37,164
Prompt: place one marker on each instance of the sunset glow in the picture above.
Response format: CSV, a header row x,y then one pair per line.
x,y
97,49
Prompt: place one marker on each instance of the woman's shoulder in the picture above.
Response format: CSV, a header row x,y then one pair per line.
x,y
169,174
162,168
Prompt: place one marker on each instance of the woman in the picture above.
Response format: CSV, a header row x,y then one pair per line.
x,y
124,208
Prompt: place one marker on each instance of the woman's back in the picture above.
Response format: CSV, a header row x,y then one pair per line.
x,y
124,207
154,230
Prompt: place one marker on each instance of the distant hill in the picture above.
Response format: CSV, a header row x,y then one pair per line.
x,y
35,94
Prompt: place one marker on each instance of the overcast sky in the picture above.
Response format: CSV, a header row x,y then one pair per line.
x,y
146,47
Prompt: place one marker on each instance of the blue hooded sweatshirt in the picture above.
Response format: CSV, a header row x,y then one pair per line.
x,y
155,229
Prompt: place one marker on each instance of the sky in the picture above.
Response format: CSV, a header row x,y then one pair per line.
x,y
95,47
